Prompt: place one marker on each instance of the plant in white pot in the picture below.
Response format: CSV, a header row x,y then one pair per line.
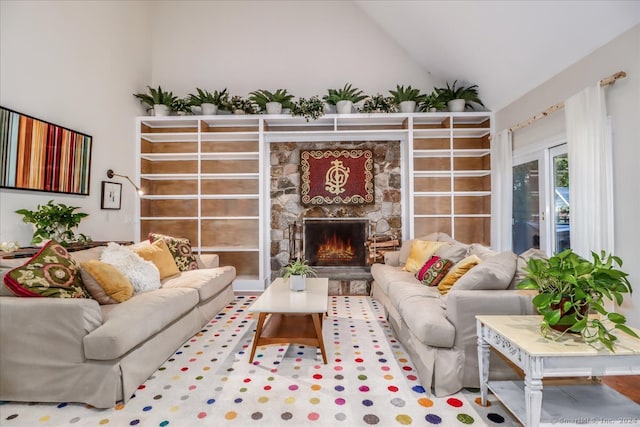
x,y
297,272
271,102
54,221
344,99
460,98
240,105
407,99
157,99
208,102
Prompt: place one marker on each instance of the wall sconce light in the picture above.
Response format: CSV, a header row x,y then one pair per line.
x,y
111,174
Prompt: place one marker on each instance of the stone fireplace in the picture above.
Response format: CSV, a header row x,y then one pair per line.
x,y
290,218
335,242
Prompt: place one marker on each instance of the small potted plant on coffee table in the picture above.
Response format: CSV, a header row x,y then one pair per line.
x,y
569,287
297,272
407,98
271,102
344,98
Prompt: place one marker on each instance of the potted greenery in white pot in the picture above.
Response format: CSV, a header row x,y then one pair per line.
x,y
208,102
297,272
271,102
344,99
569,287
157,99
460,98
311,108
54,222
407,98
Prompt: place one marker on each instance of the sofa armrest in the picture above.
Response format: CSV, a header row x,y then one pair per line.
x,y
392,258
463,306
208,260
41,331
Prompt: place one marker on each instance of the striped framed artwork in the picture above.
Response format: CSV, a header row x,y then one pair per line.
x,y
40,156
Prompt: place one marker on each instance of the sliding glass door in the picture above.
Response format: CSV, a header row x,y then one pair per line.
x,y
526,205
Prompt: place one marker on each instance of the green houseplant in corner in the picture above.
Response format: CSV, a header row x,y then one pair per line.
x,y
459,98
406,98
569,286
157,99
344,98
297,271
54,222
271,102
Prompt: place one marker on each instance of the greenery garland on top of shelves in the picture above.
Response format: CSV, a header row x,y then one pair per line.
x,y
312,108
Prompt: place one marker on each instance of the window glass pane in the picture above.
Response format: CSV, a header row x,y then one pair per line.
x,y
526,202
561,202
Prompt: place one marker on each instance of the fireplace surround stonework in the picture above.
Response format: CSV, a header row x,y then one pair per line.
x,y
384,215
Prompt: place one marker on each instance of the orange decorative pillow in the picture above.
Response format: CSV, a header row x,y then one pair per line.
x,y
105,283
421,251
158,253
456,272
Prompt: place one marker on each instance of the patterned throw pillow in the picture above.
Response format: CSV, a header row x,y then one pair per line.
x,y
434,271
50,273
180,249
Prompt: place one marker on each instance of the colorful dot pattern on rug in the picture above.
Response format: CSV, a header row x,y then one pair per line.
x,y
369,381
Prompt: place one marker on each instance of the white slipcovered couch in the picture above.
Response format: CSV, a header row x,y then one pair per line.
x,y
76,350
439,331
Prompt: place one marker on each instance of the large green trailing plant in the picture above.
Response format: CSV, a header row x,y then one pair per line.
x,y
299,267
262,97
219,99
311,108
347,93
451,92
54,222
156,97
569,287
402,94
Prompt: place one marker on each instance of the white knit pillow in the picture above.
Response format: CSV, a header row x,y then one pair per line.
x,y
143,275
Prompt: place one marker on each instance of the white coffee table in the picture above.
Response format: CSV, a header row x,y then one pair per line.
x,y
518,339
289,317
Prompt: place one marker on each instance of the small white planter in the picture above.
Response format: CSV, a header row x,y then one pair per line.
x,y
161,110
208,109
344,107
274,108
297,283
408,106
456,105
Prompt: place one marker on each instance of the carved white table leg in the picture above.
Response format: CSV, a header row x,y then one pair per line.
x,y
533,399
483,364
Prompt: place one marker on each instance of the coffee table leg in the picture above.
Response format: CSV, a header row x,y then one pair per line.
x,y
257,336
317,323
533,399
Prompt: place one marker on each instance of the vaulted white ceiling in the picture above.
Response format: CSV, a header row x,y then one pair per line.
x,y
506,47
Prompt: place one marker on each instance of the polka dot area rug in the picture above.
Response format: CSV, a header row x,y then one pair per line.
x,y
369,381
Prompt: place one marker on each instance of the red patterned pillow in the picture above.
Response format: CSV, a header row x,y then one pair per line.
x,y
433,271
49,273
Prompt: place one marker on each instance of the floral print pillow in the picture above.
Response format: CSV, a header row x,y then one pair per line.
x,y
50,273
180,250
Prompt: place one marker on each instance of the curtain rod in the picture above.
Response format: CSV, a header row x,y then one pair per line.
x,y
604,82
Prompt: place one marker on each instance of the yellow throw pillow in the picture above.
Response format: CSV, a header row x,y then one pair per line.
x,y
158,253
456,272
105,283
421,251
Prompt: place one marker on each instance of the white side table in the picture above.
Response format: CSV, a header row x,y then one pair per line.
x,y
518,338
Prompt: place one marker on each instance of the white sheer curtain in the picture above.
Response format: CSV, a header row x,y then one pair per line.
x,y
590,172
501,190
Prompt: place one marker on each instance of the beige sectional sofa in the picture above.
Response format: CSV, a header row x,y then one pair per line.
x,y
439,331
75,350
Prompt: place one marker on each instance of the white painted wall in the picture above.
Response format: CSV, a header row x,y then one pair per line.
x,y
76,64
305,47
623,105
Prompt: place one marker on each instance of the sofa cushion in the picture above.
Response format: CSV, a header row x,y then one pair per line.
x,y
400,291
134,321
158,253
426,318
105,283
181,250
481,251
433,272
421,251
208,282
456,272
143,275
49,273
453,251
385,274
494,273
405,249
523,259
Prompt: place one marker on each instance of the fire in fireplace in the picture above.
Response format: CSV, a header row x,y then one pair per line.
x,y
335,242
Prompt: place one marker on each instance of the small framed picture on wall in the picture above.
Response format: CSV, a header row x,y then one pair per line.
x,y
111,195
